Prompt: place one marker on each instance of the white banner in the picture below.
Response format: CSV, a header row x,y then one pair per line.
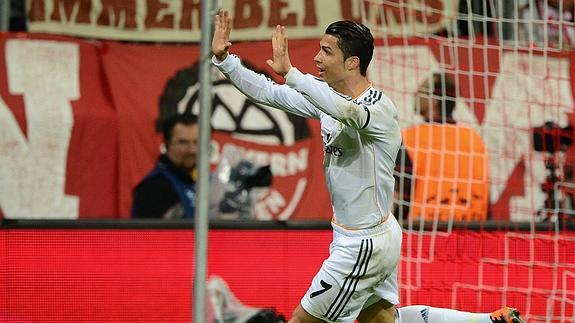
x,y
179,20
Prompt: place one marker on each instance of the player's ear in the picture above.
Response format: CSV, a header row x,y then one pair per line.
x,y
352,63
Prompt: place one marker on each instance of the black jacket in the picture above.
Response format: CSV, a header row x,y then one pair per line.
x,y
154,196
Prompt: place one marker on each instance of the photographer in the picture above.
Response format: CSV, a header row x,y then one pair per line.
x,y
168,191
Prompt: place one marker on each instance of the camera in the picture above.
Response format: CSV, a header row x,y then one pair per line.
x,y
552,139
242,178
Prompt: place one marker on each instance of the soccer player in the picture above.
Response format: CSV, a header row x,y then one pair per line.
x,y
361,139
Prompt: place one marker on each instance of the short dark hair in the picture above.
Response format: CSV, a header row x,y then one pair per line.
x,y
169,123
354,39
445,92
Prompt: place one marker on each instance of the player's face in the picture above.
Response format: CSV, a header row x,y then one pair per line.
x,y
329,60
183,147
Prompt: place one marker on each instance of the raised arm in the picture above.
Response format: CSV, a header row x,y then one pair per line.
x,y
327,100
256,86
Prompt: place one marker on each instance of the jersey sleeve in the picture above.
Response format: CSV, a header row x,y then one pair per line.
x,y
377,119
324,98
382,121
263,90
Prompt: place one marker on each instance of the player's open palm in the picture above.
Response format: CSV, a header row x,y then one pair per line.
x,y
280,61
221,41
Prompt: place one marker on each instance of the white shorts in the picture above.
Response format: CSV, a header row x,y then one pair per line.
x,y
361,270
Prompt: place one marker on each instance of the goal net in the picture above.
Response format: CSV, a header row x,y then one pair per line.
x,y
484,96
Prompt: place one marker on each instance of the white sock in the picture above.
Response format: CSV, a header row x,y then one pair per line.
x,y
428,314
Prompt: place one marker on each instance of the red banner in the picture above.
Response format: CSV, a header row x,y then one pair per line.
x,y
77,120
58,131
122,89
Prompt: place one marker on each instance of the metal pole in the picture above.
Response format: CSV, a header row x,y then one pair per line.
x,y
201,217
4,15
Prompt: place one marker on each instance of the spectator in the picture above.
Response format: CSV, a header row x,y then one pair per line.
x,y
443,166
547,23
168,191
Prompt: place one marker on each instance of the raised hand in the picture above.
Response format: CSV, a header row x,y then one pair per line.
x,y
221,41
280,61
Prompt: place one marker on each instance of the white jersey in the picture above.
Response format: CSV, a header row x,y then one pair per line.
x,y
361,138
